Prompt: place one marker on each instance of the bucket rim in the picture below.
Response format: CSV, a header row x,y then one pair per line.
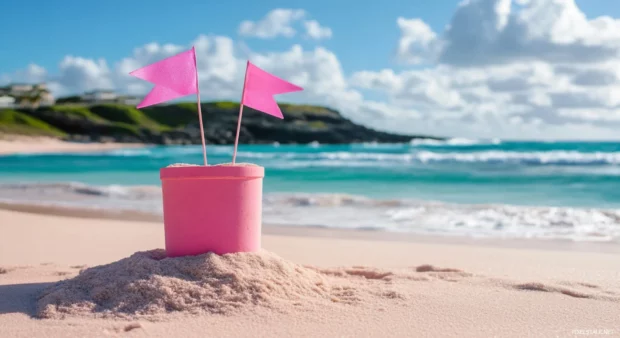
x,y
211,172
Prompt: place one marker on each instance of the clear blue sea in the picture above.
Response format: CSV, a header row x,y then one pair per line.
x,y
567,190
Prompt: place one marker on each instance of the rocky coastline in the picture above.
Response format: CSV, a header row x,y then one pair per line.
x,y
177,124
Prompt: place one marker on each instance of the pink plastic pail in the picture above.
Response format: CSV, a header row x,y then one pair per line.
x,y
212,209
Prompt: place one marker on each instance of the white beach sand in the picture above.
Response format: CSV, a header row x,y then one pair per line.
x,y
303,285
11,144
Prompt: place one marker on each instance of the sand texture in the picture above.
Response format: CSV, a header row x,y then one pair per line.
x,y
70,277
148,284
11,144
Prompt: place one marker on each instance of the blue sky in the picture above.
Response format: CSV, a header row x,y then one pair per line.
x,y
540,69
364,35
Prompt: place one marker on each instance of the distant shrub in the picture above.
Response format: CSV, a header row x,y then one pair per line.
x,y
317,124
175,115
125,114
77,111
69,99
225,104
14,122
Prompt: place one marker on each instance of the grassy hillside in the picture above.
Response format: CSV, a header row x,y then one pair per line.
x,y
175,115
125,114
14,122
177,124
76,112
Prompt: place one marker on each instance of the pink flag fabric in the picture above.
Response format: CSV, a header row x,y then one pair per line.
x,y
173,77
260,87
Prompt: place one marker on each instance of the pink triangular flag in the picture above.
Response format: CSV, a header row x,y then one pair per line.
x,y
260,87
173,77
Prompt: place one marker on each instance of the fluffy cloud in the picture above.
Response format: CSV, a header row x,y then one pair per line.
x,y
283,22
484,32
314,30
77,72
536,67
278,22
418,42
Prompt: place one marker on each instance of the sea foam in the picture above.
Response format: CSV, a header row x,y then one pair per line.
x,y
355,212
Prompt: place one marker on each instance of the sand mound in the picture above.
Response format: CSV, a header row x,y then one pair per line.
x,y
149,284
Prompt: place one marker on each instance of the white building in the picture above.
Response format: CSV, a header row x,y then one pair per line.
x,y
20,89
129,100
100,96
26,96
7,101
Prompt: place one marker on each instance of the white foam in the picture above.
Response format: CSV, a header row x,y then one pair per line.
x,y
355,212
424,156
457,141
541,157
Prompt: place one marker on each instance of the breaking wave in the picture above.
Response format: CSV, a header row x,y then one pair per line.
x,y
355,212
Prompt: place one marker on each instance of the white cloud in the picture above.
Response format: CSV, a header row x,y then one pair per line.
x,y
315,31
484,32
33,73
87,74
498,64
418,42
277,22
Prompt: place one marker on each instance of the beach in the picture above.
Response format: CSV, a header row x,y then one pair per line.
x,y
437,288
448,170
15,144
353,246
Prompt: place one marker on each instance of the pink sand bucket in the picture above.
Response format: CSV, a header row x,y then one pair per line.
x,y
212,209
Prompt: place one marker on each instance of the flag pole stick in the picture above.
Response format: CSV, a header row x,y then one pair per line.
x,y
202,131
245,81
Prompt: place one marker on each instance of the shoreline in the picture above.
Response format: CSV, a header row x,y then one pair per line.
x,y
15,144
327,232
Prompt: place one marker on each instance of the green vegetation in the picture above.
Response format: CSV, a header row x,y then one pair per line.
x,y
77,111
225,104
120,128
297,109
14,122
114,120
125,114
175,115
69,99
317,125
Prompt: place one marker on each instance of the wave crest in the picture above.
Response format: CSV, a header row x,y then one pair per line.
x,y
355,212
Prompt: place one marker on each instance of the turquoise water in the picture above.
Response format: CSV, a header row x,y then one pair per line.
x,y
565,191
458,171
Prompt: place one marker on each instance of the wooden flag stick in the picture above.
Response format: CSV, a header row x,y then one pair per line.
x,y
237,137
245,81
202,131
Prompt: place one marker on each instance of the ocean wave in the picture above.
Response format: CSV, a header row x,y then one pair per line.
x,y
81,189
540,157
422,156
384,155
355,212
457,141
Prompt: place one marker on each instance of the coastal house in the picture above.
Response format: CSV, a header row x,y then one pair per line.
x,y
26,95
7,101
98,96
129,100
19,89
